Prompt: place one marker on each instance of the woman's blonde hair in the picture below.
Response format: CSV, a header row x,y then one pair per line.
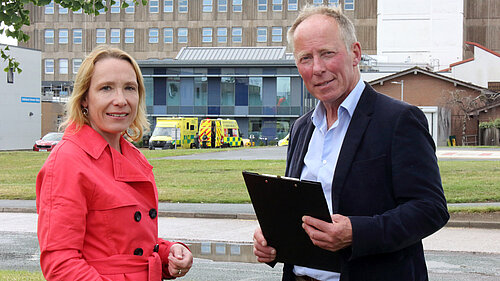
x,y
82,85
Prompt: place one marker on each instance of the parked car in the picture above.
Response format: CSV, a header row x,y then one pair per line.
x,y
284,141
48,142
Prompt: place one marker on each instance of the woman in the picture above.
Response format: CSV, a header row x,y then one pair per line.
x,y
96,195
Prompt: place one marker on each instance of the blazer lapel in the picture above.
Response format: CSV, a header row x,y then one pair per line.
x,y
301,138
359,122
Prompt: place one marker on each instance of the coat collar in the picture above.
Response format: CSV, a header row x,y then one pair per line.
x,y
128,166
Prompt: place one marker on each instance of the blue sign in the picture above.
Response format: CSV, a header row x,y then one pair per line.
x,y
30,99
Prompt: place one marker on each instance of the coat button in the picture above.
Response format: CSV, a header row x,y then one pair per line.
x,y
137,216
156,248
153,213
138,252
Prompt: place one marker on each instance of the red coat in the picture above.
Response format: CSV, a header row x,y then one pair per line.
x,y
98,212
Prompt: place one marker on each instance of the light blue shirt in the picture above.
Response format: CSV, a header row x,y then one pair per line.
x,y
321,159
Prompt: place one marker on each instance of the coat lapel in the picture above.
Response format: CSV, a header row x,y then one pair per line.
x,y
359,122
301,138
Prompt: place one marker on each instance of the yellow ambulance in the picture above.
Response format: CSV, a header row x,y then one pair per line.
x,y
219,133
175,132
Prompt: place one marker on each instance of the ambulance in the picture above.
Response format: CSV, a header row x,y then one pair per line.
x,y
175,132
219,133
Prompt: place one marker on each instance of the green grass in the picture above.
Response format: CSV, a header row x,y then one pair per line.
x,y
12,275
220,181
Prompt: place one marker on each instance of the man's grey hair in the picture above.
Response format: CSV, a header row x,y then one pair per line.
x,y
347,31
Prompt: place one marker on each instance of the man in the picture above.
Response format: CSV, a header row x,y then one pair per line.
x,y
373,156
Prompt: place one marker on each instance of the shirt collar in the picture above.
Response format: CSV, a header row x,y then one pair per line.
x,y
349,104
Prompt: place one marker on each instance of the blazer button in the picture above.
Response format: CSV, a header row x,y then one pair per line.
x,y
137,216
138,252
153,213
156,248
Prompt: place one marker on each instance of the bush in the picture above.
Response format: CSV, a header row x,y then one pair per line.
x,y
486,125
497,123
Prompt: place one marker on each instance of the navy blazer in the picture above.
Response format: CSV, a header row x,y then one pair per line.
x,y
387,182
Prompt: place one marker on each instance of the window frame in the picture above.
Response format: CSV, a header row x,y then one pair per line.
x,y
62,10
47,31
154,6
293,6
166,35
61,36
46,64
111,37
347,6
240,35
206,36
237,6
131,7
100,31
75,31
168,6
209,7
183,6
73,65
61,66
181,36
115,8
151,37
261,5
219,36
49,8
264,29
276,4
222,3
273,35
126,38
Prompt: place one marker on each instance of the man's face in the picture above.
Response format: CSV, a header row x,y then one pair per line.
x,y
328,69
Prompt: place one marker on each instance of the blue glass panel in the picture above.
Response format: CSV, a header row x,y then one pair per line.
x,y
173,110
187,91
241,89
159,109
269,71
214,71
160,90
160,70
187,110
214,110
269,110
214,91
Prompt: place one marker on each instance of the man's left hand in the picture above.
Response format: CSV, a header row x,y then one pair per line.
x,y
329,236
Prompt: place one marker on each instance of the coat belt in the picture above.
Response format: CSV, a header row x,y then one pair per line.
x,y
123,264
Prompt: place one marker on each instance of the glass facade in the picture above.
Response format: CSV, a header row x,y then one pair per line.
x,y
264,101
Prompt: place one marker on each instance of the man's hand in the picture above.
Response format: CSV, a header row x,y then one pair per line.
x,y
263,252
329,236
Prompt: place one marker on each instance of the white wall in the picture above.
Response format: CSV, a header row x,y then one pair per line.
x,y
19,130
423,31
485,67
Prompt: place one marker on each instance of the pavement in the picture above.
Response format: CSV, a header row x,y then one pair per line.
x,y
246,212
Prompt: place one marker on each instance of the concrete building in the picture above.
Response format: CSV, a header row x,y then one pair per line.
x,y
20,105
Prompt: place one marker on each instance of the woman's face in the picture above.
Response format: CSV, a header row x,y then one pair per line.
x,y
112,97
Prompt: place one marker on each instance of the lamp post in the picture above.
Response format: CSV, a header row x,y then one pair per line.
x,y
402,83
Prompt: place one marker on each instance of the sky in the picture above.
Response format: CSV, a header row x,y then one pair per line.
x,y
6,40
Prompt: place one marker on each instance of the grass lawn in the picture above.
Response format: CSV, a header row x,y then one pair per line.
x,y
12,275
220,181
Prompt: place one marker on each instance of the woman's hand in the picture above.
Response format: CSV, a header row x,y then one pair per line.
x,y
180,260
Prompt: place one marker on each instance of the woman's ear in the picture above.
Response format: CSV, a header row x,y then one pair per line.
x,y
84,102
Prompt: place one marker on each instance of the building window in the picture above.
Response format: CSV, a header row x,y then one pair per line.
x,y
131,7
292,5
277,5
200,91
236,34
227,91
262,6
207,35
76,65
237,6
168,35
100,36
62,10
63,36
115,8
222,34
129,35
49,8
49,36
349,5
77,36
282,91
114,35
207,6
255,91
63,66
168,6
333,3
261,34
10,75
222,6
183,6
49,66
153,35
154,6
277,34
182,35
317,2
79,11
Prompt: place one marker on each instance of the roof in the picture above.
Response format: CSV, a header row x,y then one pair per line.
x,y
416,70
226,56
231,53
470,59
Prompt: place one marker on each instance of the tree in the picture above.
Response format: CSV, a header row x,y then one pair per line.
x,y
14,16
465,103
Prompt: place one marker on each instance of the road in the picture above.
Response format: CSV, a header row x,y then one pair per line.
x,y
222,248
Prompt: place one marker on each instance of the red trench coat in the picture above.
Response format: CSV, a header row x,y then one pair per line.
x,y
98,212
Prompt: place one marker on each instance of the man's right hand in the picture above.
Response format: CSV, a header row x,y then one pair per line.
x,y
263,252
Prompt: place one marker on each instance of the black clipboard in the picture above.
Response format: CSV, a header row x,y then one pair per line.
x,y
279,204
